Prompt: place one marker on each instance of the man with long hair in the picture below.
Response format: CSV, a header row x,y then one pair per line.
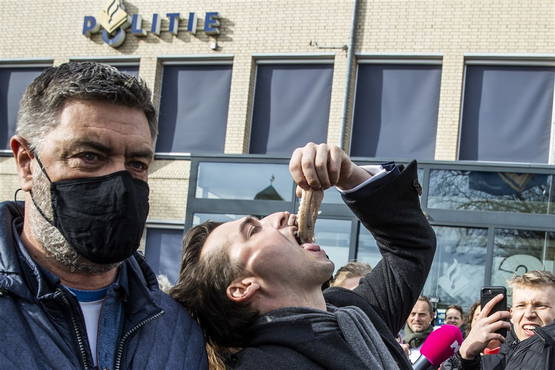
x,y
253,284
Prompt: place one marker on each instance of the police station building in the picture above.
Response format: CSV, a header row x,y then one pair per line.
x,y
465,87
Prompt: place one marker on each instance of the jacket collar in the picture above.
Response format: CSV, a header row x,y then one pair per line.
x,y
21,276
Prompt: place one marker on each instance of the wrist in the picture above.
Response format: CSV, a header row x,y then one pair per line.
x,y
466,354
356,177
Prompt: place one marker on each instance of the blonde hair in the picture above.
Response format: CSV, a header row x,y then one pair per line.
x,y
533,279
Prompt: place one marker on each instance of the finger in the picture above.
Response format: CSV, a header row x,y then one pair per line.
x,y
308,166
499,315
299,191
334,164
296,170
501,324
488,306
321,164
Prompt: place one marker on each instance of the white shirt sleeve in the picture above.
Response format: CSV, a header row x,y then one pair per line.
x,y
377,172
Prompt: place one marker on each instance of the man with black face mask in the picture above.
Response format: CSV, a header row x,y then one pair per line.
x,y
73,292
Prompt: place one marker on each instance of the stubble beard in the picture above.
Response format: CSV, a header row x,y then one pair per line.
x,y
55,245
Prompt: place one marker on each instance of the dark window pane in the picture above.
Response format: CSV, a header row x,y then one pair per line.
x,y
489,191
507,114
13,82
291,107
519,251
264,181
163,251
193,109
132,70
396,111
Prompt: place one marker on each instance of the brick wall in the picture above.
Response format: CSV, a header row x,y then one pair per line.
x,y
451,29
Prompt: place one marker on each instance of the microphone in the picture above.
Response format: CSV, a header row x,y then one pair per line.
x,y
441,344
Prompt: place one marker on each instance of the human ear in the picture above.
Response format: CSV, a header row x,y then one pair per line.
x,y
242,290
23,157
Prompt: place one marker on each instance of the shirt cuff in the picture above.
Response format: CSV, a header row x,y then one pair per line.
x,y
376,172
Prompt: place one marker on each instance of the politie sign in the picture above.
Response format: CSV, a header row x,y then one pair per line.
x,y
114,23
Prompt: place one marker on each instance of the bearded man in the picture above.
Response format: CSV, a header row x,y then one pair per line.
x,y
73,292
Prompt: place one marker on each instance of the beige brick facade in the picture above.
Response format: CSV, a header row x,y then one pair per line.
x,y
449,29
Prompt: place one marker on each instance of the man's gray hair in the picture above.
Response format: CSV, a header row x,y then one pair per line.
x,y
46,96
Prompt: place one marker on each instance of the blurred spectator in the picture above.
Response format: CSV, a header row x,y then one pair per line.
x,y
472,315
454,315
349,275
419,326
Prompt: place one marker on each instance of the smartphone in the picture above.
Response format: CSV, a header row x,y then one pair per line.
x,y
486,294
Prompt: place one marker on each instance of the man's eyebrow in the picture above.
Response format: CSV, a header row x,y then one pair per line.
x,y
144,153
87,143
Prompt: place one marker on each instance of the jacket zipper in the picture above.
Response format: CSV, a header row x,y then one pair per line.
x,y
80,341
119,355
517,348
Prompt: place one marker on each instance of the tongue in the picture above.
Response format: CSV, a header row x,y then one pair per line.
x,y
529,332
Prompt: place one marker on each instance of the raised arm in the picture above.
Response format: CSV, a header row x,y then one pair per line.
x,y
390,210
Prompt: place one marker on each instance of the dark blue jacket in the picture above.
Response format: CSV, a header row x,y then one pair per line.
x,y
41,325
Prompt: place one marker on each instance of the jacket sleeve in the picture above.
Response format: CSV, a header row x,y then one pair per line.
x,y
406,241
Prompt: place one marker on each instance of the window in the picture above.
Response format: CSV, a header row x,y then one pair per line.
x,y
395,114
248,181
193,108
457,272
291,107
133,70
491,191
458,269
199,218
334,236
519,251
507,113
163,251
13,81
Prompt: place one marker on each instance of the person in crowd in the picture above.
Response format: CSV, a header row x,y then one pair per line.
x,y
418,326
349,276
74,294
530,342
254,286
472,316
454,315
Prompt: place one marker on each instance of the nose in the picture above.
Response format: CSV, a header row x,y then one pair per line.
x,y
530,311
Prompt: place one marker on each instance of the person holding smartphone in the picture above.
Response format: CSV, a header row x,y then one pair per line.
x,y
530,341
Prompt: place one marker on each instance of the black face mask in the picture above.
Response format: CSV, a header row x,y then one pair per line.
x,y
103,217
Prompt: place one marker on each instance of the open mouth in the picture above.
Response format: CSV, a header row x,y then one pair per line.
x,y
297,238
529,329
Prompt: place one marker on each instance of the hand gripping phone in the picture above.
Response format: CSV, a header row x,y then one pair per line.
x,y
486,294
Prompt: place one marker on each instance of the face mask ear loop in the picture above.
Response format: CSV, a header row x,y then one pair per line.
x,y
15,201
42,167
31,192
